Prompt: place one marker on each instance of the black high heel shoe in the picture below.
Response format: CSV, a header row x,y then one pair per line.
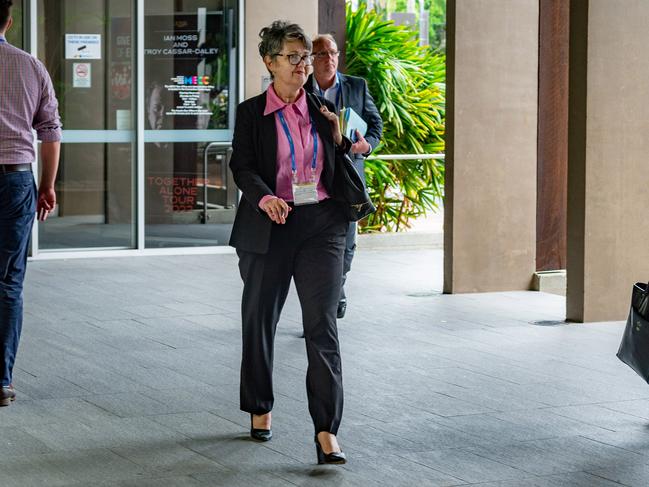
x,y
334,458
260,434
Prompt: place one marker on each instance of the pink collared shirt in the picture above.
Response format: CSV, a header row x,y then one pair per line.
x,y
299,124
27,101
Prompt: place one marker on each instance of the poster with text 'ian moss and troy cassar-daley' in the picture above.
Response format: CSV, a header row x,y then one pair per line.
x,y
186,71
186,88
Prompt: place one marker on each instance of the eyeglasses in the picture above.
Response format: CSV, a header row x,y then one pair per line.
x,y
324,54
296,59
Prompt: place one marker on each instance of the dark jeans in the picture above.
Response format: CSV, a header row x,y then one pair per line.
x,y
17,212
308,249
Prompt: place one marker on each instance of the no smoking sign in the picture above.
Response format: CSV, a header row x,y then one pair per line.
x,y
81,77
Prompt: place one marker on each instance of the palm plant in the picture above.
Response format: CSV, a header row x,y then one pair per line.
x,y
408,84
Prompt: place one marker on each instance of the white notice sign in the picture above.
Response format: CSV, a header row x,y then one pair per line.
x,y
81,75
82,46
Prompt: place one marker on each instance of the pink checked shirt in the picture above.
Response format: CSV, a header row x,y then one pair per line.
x,y
27,102
299,124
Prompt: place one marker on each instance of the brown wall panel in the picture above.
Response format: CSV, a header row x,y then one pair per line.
x,y
552,184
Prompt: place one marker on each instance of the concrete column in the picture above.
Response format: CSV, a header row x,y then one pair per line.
x,y
608,175
259,14
492,91
331,20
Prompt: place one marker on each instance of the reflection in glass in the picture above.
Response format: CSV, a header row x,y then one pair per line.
x,y
189,87
95,204
94,92
155,106
190,195
15,34
94,87
188,57
189,82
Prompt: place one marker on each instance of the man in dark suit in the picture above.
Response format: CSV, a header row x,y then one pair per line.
x,y
345,91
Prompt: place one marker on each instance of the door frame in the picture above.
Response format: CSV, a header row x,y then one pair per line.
x,y
30,36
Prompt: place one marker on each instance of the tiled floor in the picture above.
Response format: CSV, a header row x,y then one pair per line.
x,y
128,376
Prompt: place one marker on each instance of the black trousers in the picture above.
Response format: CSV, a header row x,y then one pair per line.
x,y
309,249
350,248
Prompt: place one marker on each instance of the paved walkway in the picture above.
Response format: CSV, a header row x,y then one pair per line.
x,y
128,376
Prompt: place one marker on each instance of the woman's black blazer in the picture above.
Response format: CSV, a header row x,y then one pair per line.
x,y
254,167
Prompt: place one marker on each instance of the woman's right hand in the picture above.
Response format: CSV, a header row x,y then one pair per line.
x,y
335,124
277,210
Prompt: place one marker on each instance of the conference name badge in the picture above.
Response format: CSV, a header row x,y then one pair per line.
x,y
305,193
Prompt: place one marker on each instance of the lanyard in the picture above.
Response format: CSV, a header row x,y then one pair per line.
x,y
292,145
339,92
2,39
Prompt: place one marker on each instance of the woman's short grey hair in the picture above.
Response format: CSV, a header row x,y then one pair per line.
x,y
276,34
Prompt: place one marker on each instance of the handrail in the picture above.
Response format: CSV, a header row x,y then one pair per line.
x,y
224,172
406,157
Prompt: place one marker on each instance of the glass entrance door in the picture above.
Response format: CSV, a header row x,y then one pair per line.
x,y
147,91
86,46
15,34
189,76
190,86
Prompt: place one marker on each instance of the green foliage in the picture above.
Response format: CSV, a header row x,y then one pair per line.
x,y
437,18
408,85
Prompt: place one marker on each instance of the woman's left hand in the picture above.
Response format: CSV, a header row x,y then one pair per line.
x,y
335,125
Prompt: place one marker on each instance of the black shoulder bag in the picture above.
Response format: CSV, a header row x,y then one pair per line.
x,y
350,191
634,349
348,186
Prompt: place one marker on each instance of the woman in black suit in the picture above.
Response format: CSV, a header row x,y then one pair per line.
x,y
288,227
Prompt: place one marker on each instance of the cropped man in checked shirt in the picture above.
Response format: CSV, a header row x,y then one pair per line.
x,y
27,102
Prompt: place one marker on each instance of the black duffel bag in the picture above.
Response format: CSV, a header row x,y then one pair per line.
x,y
634,349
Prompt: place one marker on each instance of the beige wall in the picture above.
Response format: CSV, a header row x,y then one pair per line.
x,y
260,13
608,239
490,206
